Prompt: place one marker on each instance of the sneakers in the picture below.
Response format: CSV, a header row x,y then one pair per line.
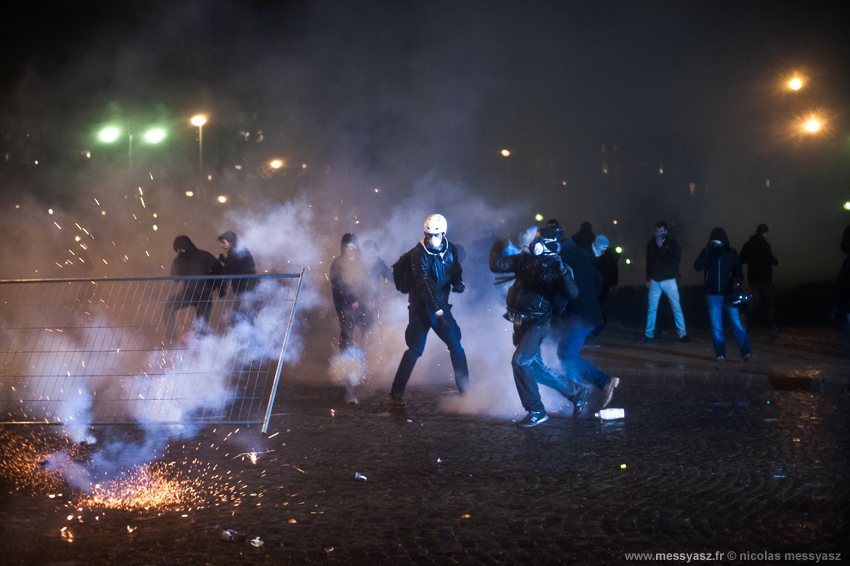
x,y
748,357
579,401
396,400
685,339
533,418
720,358
608,392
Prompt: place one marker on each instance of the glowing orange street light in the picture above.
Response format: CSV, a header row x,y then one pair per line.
x,y
812,125
795,84
276,164
506,152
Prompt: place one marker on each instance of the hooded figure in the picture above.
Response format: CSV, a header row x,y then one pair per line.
x,y
191,262
723,274
236,260
758,256
350,287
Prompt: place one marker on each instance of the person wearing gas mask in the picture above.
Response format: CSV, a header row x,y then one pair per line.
x,y
436,271
578,320
543,285
662,267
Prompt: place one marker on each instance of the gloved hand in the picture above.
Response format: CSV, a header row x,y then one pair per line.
x,y
459,287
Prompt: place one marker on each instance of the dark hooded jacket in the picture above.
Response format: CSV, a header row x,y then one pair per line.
x,y
348,277
194,262
758,256
237,261
721,264
435,272
584,238
584,311
662,263
543,283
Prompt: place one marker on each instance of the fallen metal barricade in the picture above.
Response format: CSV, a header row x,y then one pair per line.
x,y
152,350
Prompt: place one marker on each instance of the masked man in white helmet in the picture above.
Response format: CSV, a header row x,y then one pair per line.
x,y
436,271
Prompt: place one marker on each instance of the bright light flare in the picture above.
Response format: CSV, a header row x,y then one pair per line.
x,y
155,135
222,199
506,152
618,249
539,217
109,135
812,125
190,193
795,83
277,164
847,205
199,120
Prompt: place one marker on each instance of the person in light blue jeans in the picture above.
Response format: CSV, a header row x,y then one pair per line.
x,y
662,267
723,273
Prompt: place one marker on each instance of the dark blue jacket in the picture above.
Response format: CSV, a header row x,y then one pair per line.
x,y
722,268
435,272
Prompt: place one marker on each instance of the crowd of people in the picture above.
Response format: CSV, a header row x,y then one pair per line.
x,y
559,286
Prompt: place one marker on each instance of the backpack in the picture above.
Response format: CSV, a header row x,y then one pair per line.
x,y
402,272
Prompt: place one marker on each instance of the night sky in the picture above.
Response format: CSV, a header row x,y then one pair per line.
x,y
626,111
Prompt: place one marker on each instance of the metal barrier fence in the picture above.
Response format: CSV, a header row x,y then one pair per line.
x,y
155,350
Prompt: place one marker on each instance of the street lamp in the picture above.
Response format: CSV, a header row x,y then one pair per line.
x,y
111,133
199,121
795,84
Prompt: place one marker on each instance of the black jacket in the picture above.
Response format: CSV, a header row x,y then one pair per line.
x,y
722,268
543,283
584,311
238,261
662,263
758,256
348,281
435,272
194,262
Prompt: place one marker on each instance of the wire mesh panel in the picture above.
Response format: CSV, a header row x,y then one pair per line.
x,y
155,350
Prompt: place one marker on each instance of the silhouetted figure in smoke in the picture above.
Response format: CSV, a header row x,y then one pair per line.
x,y
758,256
237,260
543,285
663,255
723,275
606,263
841,302
191,261
350,286
584,238
436,271
578,320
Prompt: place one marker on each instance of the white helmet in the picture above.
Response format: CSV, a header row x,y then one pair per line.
x,y
435,224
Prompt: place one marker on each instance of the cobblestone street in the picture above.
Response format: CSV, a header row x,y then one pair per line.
x,y
701,463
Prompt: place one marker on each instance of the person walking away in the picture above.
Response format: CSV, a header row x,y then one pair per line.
x,y
606,262
577,321
758,256
435,272
663,255
723,274
543,285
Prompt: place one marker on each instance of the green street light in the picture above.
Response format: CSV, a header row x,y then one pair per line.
x,y
109,135
155,135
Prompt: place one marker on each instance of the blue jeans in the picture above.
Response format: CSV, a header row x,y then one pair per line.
x,y
669,288
576,368
529,369
420,321
716,307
